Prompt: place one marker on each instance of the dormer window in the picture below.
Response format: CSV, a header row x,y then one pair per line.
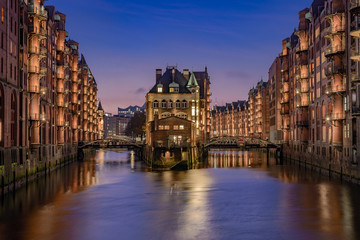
x,y
173,87
160,88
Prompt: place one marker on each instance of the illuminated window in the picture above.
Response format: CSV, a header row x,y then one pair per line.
x,y
176,127
167,127
161,127
181,127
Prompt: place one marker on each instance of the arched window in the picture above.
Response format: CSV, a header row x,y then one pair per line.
x,y
166,115
163,104
178,104
1,116
184,104
13,114
156,104
170,104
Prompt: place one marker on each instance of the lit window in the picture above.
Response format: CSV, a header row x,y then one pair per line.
x,y
181,127
161,127
167,127
176,127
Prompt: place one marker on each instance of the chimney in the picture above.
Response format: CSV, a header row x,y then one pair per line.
x,y
186,74
158,75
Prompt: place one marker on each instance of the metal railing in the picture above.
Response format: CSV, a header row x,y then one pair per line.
x,y
334,29
334,49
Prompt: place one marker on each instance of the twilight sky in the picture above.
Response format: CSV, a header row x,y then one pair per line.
x,y
124,41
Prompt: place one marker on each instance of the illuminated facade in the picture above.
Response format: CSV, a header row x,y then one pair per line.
x,y
319,86
42,98
177,108
244,118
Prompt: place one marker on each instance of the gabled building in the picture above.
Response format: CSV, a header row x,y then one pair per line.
x,y
177,109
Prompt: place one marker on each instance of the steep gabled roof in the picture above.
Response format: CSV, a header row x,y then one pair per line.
x,y
168,78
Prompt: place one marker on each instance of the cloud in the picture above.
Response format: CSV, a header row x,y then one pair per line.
x,y
140,91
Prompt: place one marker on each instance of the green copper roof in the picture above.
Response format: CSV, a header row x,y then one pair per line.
x,y
308,16
192,82
173,85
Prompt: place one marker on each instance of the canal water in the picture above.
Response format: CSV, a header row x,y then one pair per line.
x,y
233,195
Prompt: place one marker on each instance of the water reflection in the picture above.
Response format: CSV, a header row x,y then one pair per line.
x,y
233,195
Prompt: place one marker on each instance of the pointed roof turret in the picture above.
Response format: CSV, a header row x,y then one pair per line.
x,y
100,108
192,81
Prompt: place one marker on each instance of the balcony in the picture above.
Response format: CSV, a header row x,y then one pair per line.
x,y
284,101
299,49
355,77
43,71
60,76
43,51
355,29
338,116
284,79
332,30
33,70
284,67
355,6
355,54
59,90
333,69
333,50
34,116
305,102
302,75
356,111
336,89
284,111
37,11
302,123
34,89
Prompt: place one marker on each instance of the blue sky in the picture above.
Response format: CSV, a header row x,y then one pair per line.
x,y
125,41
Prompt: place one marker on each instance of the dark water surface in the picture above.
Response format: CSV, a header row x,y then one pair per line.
x,y
234,195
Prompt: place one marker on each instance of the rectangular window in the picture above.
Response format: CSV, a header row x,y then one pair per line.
x,y
181,127
167,127
2,15
176,127
161,127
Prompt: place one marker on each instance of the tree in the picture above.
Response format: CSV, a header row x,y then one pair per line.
x,y
135,126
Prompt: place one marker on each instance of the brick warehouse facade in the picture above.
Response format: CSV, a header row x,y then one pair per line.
x,y
313,91
48,97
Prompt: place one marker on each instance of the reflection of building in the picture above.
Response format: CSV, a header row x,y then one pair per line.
x,y
115,125
48,99
178,106
130,111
